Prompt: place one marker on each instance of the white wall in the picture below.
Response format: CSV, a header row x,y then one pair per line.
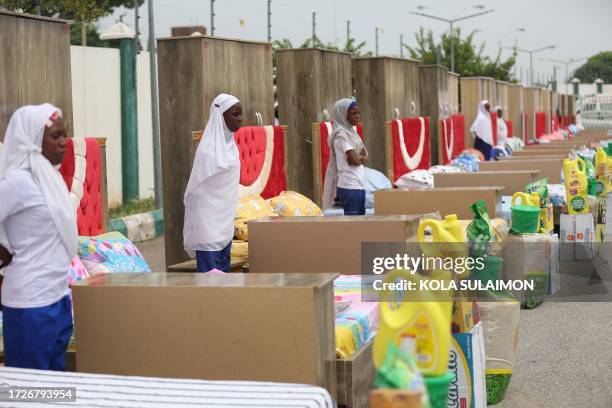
x,y
96,99
591,89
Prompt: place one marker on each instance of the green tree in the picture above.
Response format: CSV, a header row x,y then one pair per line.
x,y
469,58
84,13
597,66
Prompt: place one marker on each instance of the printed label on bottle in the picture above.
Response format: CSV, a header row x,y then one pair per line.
x,y
418,339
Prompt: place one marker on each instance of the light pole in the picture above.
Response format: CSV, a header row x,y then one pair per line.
x,y
451,22
531,52
566,63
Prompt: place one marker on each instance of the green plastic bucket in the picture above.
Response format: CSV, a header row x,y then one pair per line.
x,y
437,388
525,219
492,270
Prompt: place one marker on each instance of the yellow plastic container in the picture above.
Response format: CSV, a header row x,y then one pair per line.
x,y
521,198
576,186
609,168
601,170
422,329
447,232
547,223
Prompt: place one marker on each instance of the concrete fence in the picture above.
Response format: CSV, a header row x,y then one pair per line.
x,y
96,99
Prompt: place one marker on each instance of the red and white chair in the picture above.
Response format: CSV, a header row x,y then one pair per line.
x,y
262,160
407,146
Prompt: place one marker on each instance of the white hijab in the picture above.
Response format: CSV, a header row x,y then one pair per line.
x,y
482,125
23,150
502,129
217,149
343,129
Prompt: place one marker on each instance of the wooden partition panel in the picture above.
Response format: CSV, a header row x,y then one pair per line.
x,y
34,65
502,95
530,103
309,82
382,85
453,92
474,90
515,108
435,103
192,72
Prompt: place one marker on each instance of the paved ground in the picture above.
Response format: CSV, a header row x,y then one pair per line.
x,y
565,348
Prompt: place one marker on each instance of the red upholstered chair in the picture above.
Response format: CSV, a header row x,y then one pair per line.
x,y
510,128
320,154
83,170
493,116
452,141
407,146
262,159
540,124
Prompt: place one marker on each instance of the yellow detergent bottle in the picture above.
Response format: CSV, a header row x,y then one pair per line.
x,y
526,199
447,231
576,186
609,168
419,328
601,170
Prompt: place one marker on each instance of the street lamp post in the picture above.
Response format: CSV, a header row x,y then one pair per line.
x,y
451,22
531,52
566,63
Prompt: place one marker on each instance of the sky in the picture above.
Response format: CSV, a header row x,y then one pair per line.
x,y
578,28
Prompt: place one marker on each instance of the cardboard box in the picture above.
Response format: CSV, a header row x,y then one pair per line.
x,y
577,237
254,327
322,244
554,279
465,316
467,362
585,237
446,200
608,220
512,181
532,153
549,168
544,156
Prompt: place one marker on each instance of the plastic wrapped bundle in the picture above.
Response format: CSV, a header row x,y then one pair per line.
x,y
527,257
415,179
467,161
500,320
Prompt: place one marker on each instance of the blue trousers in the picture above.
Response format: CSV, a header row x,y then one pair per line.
x,y
37,337
353,200
208,260
483,147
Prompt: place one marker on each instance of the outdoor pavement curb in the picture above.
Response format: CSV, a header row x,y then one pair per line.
x,y
140,227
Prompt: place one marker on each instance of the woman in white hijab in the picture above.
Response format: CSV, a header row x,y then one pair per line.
x,y
38,230
482,130
345,175
502,133
212,192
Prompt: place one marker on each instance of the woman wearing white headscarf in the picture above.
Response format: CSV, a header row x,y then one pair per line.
x,y
482,129
345,175
502,134
212,192
38,229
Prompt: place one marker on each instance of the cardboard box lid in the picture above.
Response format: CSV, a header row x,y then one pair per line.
x,y
513,180
204,280
339,218
448,189
322,244
445,200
